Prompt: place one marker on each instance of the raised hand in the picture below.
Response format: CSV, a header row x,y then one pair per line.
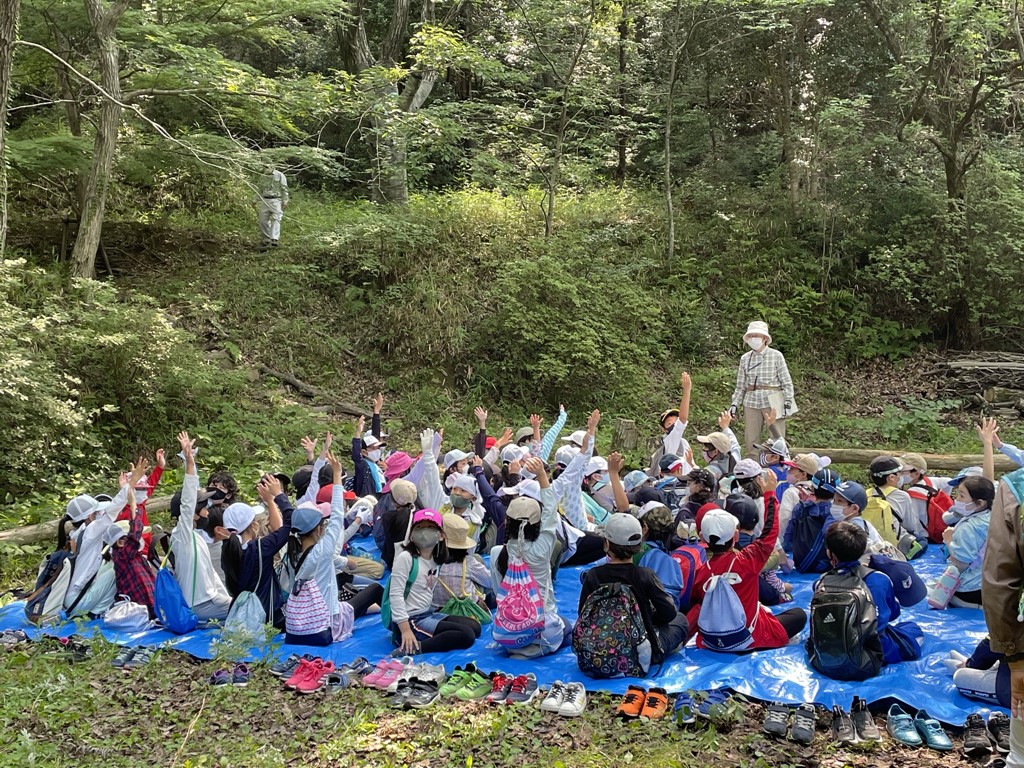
x,y
769,482
724,420
505,439
593,421
536,466
685,380
161,458
335,463
770,417
360,426
427,441
481,416
378,403
310,448
327,446
988,432
535,421
138,469
615,463
187,445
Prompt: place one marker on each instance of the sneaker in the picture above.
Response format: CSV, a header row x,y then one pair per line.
x,y
776,720
371,678
863,721
123,657
900,726
301,671
931,731
402,693
999,728
977,742
13,637
685,710
140,658
423,694
314,679
843,731
475,686
336,681
394,671
241,675
410,672
804,719
712,703
287,667
555,696
356,668
632,703
459,677
501,684
574,700
432,673
523,689
220,678
655,705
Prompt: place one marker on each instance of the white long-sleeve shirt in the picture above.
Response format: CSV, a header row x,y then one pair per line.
x,y
193,567
319,563
421,594
89,552
537,554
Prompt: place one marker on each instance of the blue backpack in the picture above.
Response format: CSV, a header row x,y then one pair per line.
x,y
169,603
809,524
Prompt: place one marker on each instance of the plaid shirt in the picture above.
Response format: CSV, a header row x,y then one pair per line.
x,y
762,369
478,579
132,572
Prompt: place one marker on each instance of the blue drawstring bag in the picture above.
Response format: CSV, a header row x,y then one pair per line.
x,y
169,602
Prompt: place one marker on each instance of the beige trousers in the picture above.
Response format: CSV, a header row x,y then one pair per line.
x,y
753,426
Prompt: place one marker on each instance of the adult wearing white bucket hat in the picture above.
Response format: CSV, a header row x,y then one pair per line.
x,y
763,383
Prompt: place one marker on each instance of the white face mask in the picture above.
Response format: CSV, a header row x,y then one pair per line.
x,y
905,480
140,497
958,512
755,344
373,455
838,512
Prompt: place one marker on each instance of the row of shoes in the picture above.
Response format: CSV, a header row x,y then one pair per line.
x,y
916,731
981,737
238,677
309,674
133,658
688,707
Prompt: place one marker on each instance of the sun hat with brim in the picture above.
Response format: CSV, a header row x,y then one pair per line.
x,y
82,506
403,492
758,328
634,480
914,461
964,473
465,483
238,516
126,526
427,516
576,438
453,457
305,519
804,463
778,447
529,489
456,533
524,433
718,527
666,414
747,469
397,463
525,509
720,440
623,529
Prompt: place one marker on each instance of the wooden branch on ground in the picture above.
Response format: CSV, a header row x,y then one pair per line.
x,y
30,534
312,392
946,462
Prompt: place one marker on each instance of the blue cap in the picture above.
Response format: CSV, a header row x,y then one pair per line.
x,y
908,587
853,493
305,519
964,474
634,480
826,480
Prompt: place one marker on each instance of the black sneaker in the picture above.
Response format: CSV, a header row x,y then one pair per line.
x,y
406,687
977,742
804,719
423,694
842,727
863,721
776,720
999,728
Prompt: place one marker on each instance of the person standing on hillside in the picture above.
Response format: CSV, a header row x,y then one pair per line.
x,y
763,383
273,199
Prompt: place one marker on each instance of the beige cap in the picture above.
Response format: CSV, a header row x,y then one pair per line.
x,y
914,460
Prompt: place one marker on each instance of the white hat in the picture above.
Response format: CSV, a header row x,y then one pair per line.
x,y
529,489
623,529
759,328
576,438
465,483
778,447
596,464
746,469
634,480
113,533
566,454
238,516
718,527
512,453
82,506
454,457
369,441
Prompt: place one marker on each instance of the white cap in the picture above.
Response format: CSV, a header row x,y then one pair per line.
x,y
746,469
238,516
528,488
623,529
718,527
596,464
82,506
454,457
113,533
576,438
566,454
465,483
512,453
370,441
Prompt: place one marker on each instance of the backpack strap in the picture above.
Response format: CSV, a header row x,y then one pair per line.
x,y
414,571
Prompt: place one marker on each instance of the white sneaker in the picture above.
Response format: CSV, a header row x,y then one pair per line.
x,y
410,671
555,696
432,673
574,701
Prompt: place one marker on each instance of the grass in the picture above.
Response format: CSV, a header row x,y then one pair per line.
x,y
57,713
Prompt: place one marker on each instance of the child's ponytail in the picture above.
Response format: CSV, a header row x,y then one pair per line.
x,y
231,561
63,541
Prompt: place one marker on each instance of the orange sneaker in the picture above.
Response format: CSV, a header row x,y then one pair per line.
x,y
632,703
655,705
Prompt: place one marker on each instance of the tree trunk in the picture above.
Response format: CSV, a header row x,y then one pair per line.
x,y
669,111
9,10
620,167
103,18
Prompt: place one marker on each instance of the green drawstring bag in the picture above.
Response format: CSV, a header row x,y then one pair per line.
x,y
465,605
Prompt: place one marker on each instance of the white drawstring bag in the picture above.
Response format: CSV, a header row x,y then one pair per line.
x,y
127,615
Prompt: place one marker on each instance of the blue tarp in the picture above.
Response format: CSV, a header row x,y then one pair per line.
x,y
778,675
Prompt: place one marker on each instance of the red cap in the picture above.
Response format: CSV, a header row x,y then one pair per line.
x,y
489,443
703,511
324,494
350,495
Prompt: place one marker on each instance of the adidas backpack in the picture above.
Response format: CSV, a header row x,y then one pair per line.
x,y
844,642
690,558
722,621
938,503
610,639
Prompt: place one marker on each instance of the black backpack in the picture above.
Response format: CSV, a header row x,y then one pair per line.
x,y
844,642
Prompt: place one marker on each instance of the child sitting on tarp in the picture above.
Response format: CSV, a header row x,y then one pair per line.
x,y
845,545
771,589
805,536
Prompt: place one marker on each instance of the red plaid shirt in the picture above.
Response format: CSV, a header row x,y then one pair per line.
x,y
132,573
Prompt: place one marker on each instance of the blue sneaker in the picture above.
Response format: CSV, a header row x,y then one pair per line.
x,y
685,709
931,731
286,668
712,704
901,727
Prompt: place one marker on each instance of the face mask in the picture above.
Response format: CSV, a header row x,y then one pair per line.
x,y
373,455
904,481
706,455
460,502
958,512
838,512
140,497
425,538
756,344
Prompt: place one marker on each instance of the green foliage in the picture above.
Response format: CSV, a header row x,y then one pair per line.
x,y
917,421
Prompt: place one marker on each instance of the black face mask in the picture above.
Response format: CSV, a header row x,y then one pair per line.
x,y
205,524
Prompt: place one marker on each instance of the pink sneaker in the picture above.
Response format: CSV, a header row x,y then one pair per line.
x,y
314,680
300,672
372,678
392,673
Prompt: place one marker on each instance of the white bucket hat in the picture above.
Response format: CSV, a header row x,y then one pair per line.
x,y
760,328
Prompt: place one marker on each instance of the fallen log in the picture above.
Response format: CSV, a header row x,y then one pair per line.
x,y
30,534
308,390
953,462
